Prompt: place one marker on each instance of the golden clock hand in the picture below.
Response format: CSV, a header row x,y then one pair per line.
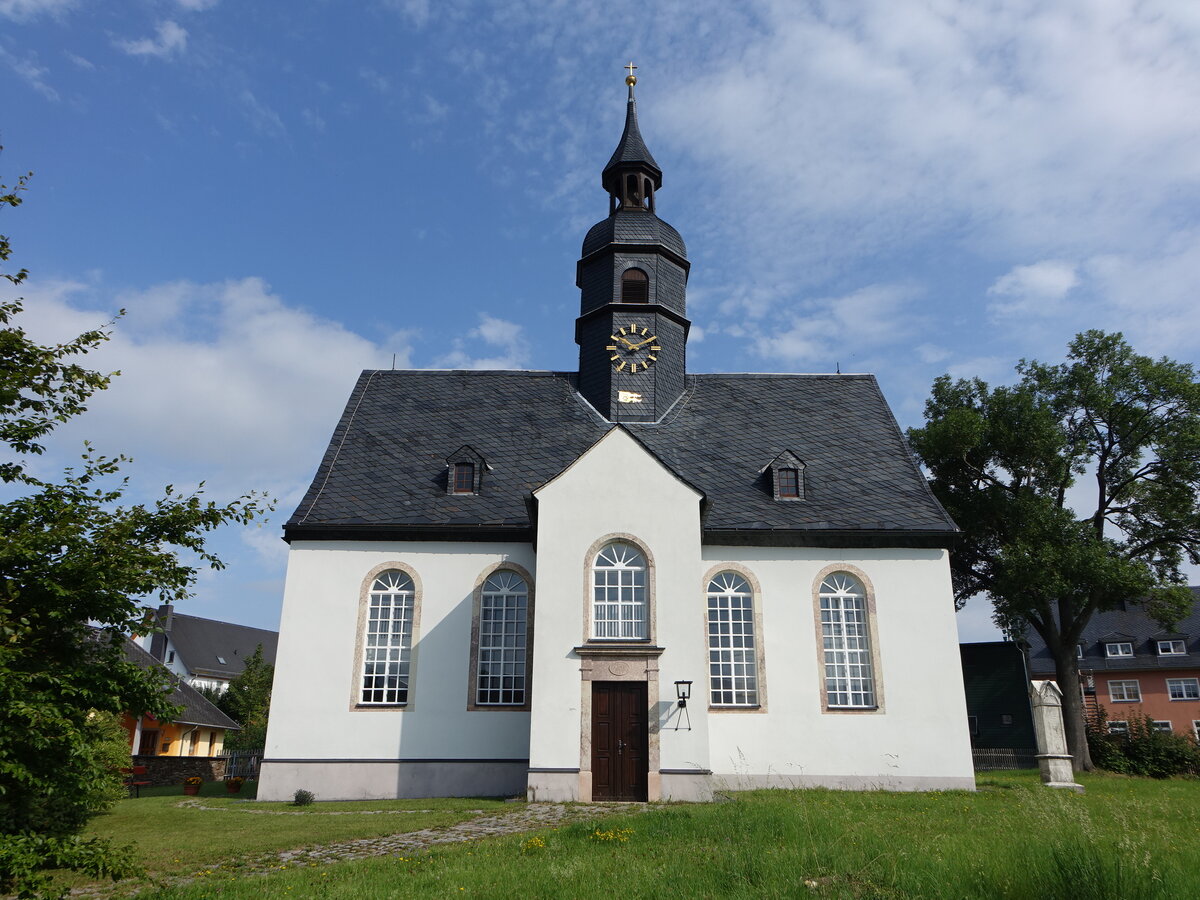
x,y
643,343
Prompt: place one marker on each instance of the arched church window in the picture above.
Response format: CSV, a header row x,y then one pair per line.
x,y
732,643
619,605
387,641
635,286
845,636
501,670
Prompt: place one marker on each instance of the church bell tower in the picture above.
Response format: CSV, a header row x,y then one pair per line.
x,y
632,276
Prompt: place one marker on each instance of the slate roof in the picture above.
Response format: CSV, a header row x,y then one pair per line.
x,y
201,644
1130,624
196,709
384,470
631,149
633,226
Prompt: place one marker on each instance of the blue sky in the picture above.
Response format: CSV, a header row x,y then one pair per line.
x,y
281,194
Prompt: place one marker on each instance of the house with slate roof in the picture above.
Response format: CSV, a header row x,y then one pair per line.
x,y
205,652
199,729
626,582
1131,666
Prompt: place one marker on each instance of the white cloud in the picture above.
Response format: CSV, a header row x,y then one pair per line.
x,y
495,334
223,382
80,61
1034,289
263,119
170,39
28,70
24,10
197,5
375,80
416,11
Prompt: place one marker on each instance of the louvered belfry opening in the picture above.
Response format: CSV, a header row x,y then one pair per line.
x,y
635,286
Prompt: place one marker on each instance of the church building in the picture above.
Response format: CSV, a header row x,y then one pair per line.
x,y
629,582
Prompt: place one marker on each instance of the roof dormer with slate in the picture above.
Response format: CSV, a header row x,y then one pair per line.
x,y
632,276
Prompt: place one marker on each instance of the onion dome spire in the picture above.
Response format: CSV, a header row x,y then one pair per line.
x,y
631,176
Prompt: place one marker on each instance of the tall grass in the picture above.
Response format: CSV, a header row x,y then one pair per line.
x,y
1125,838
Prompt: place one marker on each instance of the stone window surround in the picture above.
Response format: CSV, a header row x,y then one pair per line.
x,y
872,636
760,658
360,637
473,666
589,562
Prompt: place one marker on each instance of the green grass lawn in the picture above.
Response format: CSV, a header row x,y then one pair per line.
x,y
1125,839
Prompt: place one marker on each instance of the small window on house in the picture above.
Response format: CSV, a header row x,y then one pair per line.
x,y
221,660
170,657
1124,692
1006,719
973,725
1172,648
1118,650
1079,651
1196,729
635,286
1162,725
464,478
1118,727
1183,688
789,482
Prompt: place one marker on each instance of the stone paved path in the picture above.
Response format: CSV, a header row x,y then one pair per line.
x,y
522,817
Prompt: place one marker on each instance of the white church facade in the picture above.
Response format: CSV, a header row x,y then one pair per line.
x,y
503,583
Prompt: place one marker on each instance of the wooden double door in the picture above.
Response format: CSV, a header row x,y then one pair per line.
x,y
620,740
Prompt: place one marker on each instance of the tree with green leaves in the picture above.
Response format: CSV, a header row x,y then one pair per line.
x,y
247,701
1076,489
76,560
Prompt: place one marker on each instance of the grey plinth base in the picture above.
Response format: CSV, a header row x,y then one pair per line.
x,y
1056,771
1068,785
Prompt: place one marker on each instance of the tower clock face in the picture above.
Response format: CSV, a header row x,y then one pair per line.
x,y
632,349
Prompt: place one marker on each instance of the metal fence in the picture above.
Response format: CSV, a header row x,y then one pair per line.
x,y
242,763
1003,758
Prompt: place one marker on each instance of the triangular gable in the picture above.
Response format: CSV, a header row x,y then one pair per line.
x,y
609,436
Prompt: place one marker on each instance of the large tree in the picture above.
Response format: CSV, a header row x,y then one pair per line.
x,y
247,701
1076,489
76,561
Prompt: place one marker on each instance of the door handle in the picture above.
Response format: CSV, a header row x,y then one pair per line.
x,y
620,747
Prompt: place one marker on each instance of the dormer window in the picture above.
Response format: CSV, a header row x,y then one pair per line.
x,y
635,286
786,473
465,469
789,483
1172,648
464,478
1118,650
1079,651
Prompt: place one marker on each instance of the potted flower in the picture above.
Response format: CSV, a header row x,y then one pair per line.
x,y
234,785
191,785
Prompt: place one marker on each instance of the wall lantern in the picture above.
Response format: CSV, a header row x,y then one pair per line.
x,y
683,690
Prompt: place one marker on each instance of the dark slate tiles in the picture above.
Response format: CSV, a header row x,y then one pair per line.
x,y
633,226
386,463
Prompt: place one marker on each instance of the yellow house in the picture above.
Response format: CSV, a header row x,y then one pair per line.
x,y
198,730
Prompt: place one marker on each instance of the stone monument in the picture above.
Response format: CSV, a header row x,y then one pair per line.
x,y
1052,756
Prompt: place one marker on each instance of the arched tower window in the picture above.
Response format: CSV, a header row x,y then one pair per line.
x,y
635,286
619,607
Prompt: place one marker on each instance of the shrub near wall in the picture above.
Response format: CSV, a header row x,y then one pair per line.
x,y
1143,750
162,770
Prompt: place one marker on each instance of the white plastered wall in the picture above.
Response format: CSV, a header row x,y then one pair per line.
x,y
615,490
917,739
313,714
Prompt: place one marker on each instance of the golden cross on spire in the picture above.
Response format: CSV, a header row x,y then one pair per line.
x,y
631,79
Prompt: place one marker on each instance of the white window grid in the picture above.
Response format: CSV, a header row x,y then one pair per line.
x,y
619,608
1183,688
1196,729
1161,725
1124,691
1118,727
503,627
1118,649
1172,648
849,680
388,646
732,657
